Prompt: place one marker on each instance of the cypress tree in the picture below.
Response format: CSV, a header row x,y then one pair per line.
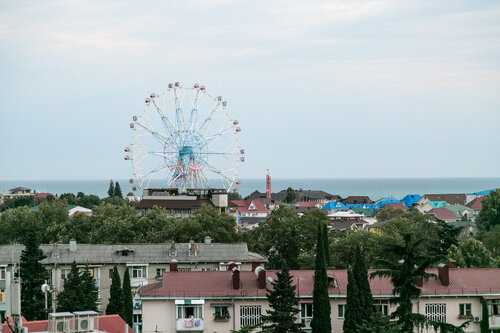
x,y
326,243
118,190
33,274
363,285
321,322
111,189
352,314
284,305
128,309
485,325
90,291
70,298
115,305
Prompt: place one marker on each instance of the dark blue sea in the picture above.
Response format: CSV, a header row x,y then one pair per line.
x,y
375,188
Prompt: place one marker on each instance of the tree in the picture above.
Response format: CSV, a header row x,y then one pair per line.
x,y
485,324
118,191
290,195
115,305
90,291
128,309
33,275
111,189
389,213
89,201
70,198
326,244
321,322
471,253
489,216
359,304
71,297
284,306
234,196
491,240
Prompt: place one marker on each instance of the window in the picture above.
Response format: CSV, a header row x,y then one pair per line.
x,y
250,315
159,273
495,307
184,269
210,269
2,273
138,272
65,273
137,323
221,313
111,273
341,311
436,312
465,310
306,313
189,311
381,307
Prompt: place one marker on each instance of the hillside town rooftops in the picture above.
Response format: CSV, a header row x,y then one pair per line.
x,y
452,199
443,214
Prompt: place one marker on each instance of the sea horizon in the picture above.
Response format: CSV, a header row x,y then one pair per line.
x,y
374,187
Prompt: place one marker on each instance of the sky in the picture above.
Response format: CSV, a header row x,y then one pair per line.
x,y
322,89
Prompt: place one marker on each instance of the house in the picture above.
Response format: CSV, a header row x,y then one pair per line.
x,y
356,199
444,214
342,225
461,211
300,195
304,206
181,205
384,201
394,205
334,206
72,210
250,212
451,199
105,323
476,205
411,199
44,195
427,206
16,193
227,301
145,262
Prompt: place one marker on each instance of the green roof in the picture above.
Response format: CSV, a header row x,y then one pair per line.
x,y
458,209
34,209
359,210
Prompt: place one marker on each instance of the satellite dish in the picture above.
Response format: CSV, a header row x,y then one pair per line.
x,y
45,288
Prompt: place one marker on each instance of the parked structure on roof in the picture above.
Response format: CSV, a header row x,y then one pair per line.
x,y
227,301
145,262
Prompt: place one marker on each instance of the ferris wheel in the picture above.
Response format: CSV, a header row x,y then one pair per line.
x,y
185,139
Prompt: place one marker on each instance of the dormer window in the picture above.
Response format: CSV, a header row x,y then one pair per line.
x,y
252,206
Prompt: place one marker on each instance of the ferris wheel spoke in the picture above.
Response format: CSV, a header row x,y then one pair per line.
x,y
194,112
167,124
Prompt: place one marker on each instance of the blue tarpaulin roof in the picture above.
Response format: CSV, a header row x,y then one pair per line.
x,y
335,205
485,192
410,199
386,201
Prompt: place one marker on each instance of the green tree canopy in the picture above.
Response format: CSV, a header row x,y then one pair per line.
x,y
489,216
115,305
128,309
290,195
118,191
71,297
471,253
284,306
111,189
33,275
321,322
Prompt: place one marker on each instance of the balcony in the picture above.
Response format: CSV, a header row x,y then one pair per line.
x,y
494,322
189,325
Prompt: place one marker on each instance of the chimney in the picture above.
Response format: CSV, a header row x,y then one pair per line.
x,y
235,278
172,250
231,265
191,247
208,240
452,263
444,274
255,265
72,245
260,273
173,265
55,250
420,281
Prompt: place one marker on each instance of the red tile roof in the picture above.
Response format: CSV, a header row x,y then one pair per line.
x,y
44,195
243,206
107,323
443,213
476,204
218,284
395,205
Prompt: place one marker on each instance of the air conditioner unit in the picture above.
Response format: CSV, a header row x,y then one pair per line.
x,y
61,325
477,319
85,324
